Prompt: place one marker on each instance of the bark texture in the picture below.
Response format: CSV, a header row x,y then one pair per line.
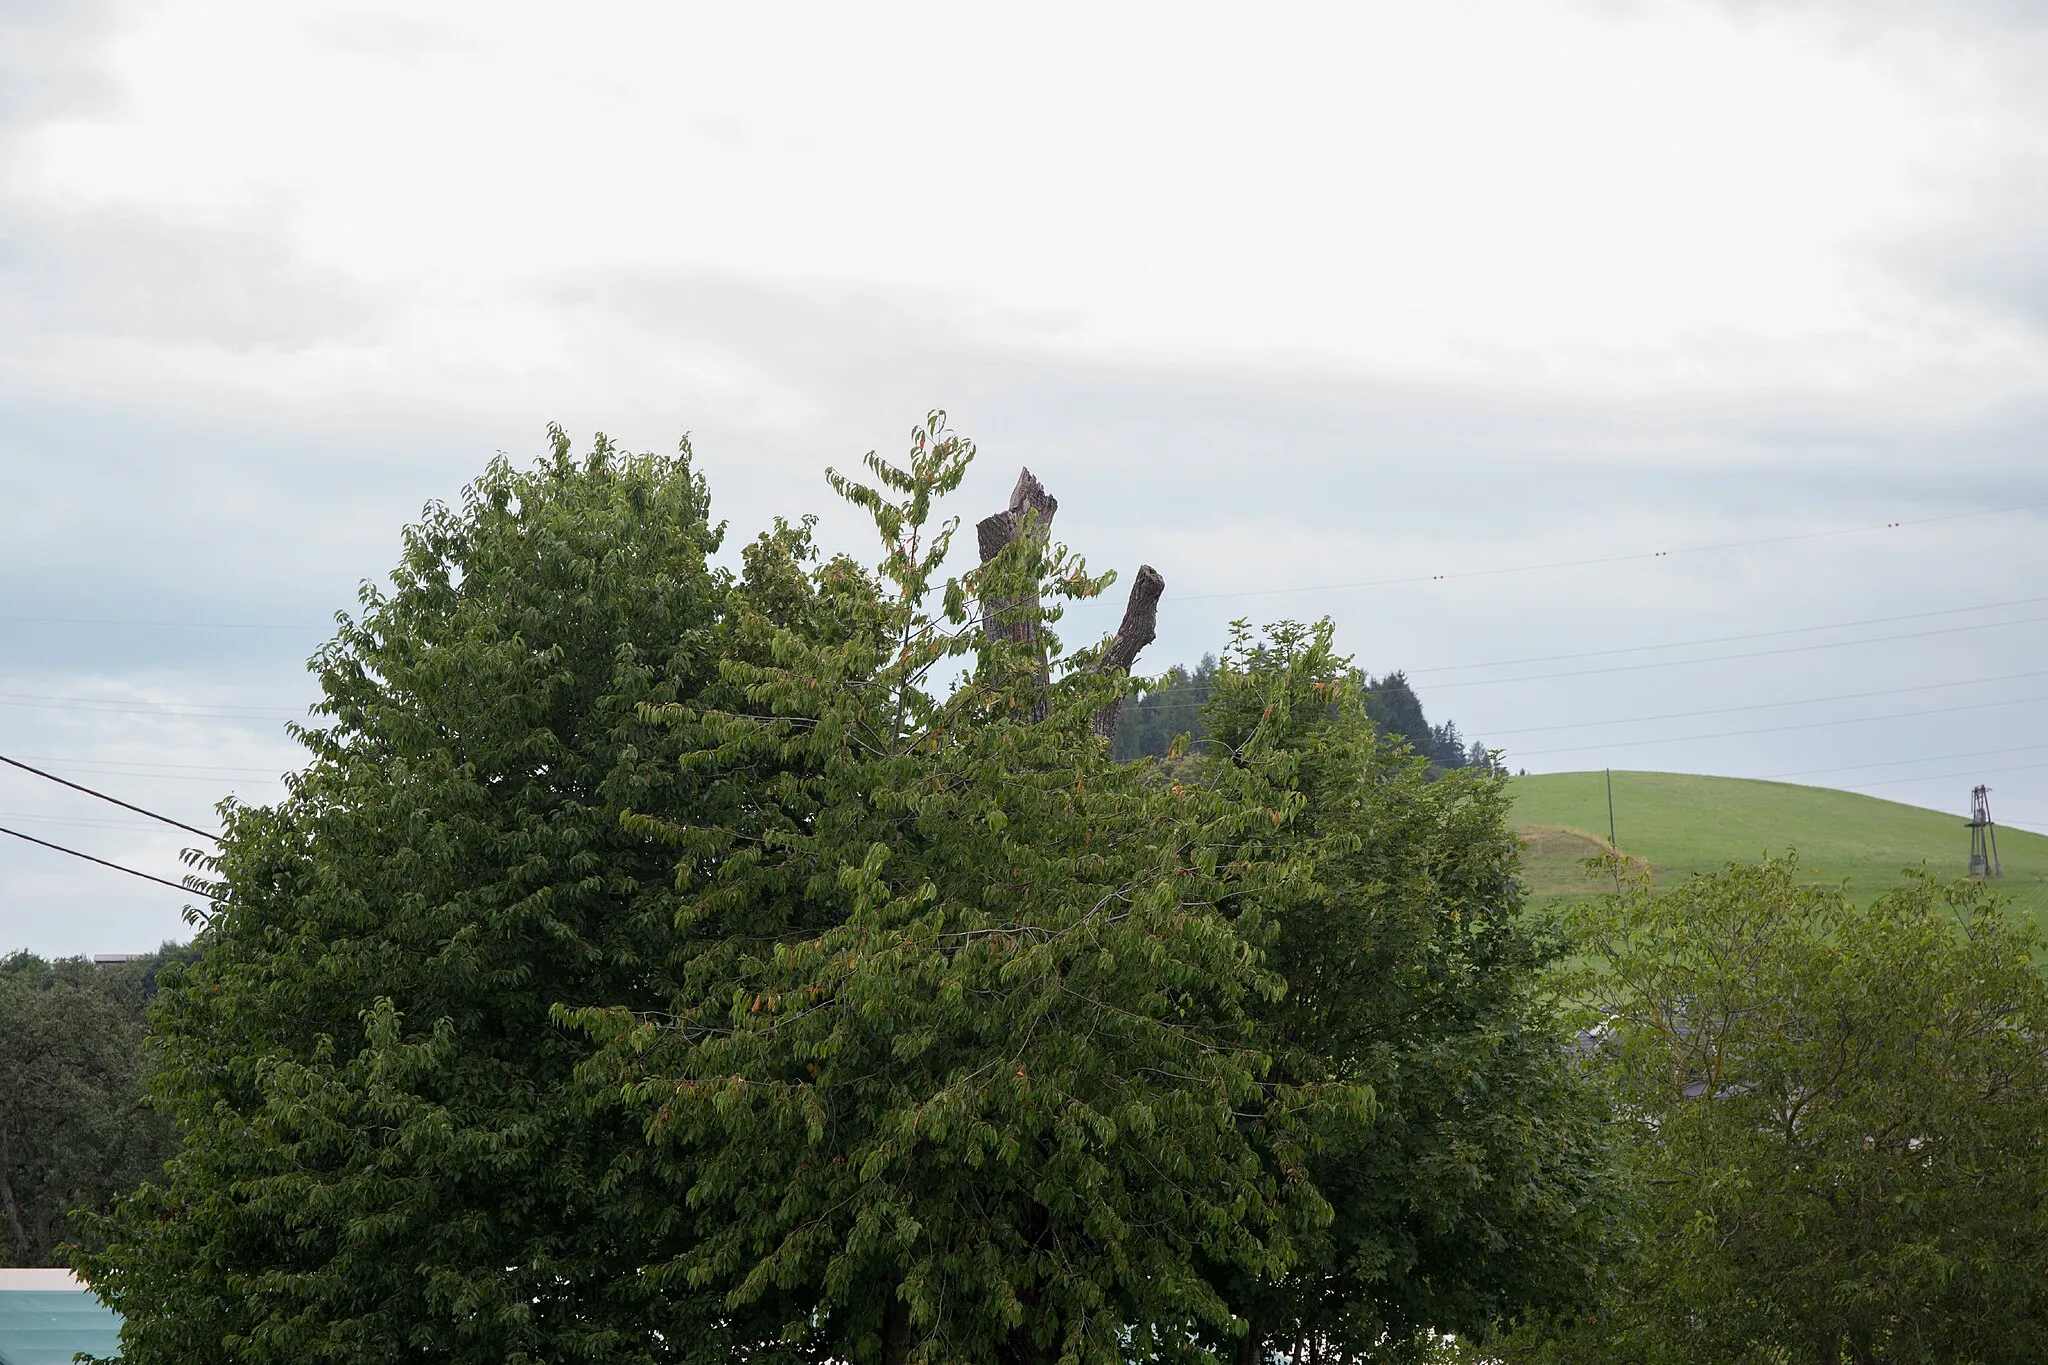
x,y
1031,512
1139,628
897,1339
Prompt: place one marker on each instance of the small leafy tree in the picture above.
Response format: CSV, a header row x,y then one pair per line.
x,y
1839,1118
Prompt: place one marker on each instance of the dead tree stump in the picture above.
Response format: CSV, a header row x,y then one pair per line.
x,y
1030,513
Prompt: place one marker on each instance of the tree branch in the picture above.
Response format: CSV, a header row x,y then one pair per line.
x,y
1139,628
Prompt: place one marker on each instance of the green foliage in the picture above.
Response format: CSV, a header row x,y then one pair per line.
x,y
966,1068
1839,1123
1392,705
386,1157
655,964
1167,714
1476,1188
74,1132
1168,717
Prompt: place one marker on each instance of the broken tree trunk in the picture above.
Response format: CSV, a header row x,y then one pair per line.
x,y
1030,512
1139,628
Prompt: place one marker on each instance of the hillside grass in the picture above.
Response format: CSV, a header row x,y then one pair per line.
x,y
1678,824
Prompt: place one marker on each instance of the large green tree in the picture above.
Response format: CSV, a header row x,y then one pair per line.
x,y
1839,1120
655,964
967,1069
385,1156
1476,1189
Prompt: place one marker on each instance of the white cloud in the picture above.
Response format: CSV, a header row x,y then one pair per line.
x,y
1538,199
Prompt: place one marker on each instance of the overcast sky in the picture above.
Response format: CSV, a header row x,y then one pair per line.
x,y
1279,299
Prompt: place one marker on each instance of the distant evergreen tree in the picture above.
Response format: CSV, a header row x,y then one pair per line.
x,y
1446,745
1149,724
1391,704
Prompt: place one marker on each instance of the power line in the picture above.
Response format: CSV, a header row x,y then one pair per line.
x,y
1215,596
81,821
1899,762
1683,644
1773,705
1729,639
169,710
148,877
1613,559
1749,654
200,777
142,768
1943,777
159,625
115,800
1780,729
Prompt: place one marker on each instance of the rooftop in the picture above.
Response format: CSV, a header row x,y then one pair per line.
x,y
47,1316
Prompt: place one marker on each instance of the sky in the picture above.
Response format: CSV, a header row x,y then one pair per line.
x,y
1661,385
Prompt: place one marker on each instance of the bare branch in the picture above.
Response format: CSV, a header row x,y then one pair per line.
x,y
1140,624
1139,628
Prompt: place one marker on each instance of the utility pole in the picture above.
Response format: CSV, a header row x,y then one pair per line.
x,y
1613,849
1983,836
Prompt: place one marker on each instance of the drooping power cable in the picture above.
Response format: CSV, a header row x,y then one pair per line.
x,y
115,800
148,877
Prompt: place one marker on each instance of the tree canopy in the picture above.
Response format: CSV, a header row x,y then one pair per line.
x,y
1477,1189
966,1070
661,963
74,1129
1837,1118
1171,710
385,1155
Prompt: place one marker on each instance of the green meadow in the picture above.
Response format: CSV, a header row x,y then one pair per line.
x,y
1678,824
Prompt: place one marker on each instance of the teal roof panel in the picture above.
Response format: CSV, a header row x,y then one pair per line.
x,y
49,1326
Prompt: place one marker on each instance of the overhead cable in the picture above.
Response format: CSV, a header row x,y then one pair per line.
x,y
1943,777
1777,729
1248,592
1687,644
1613,559
148,877
1730,639
143,768
1749,654
1901,762
115,800
1774,705
169,710
156,625
80,821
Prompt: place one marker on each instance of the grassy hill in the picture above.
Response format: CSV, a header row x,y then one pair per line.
x,y
1680,824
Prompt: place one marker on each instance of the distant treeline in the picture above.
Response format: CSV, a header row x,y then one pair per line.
x,y
74,1128
1149,724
